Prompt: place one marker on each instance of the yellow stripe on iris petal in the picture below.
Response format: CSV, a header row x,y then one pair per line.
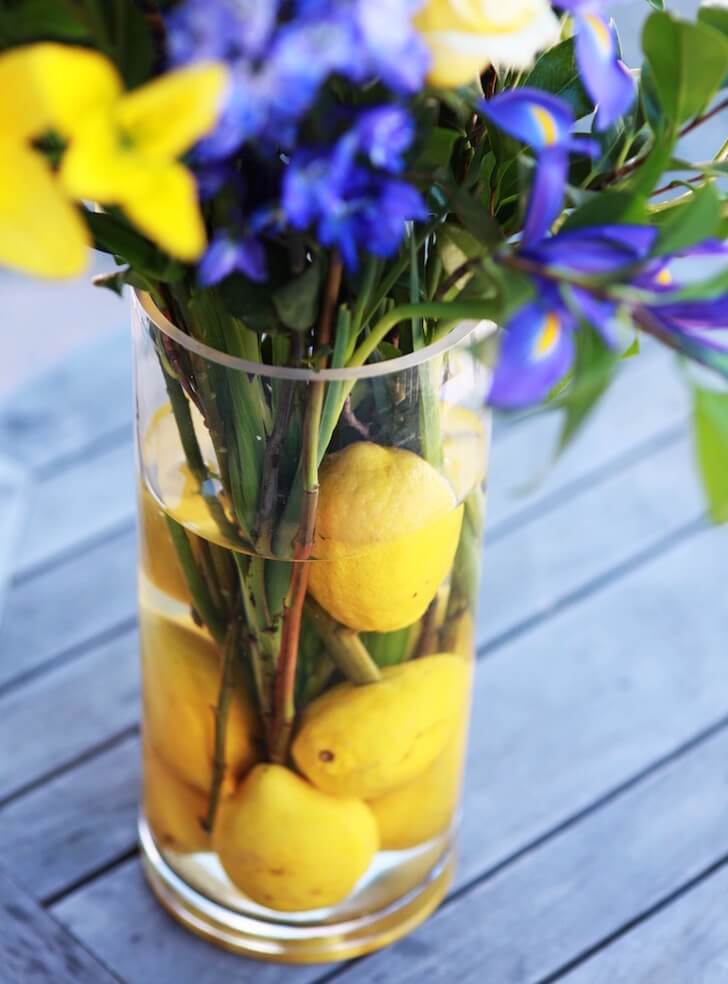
x,y
548,337
664,277
546,124
601,31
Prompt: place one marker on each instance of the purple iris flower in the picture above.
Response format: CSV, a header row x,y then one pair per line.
x,y
201,30
226,255
536,352
606,78
537,348
544,122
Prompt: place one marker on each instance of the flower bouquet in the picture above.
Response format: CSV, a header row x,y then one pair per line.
x,y
324,209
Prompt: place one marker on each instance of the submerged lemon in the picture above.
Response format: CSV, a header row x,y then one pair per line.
x,y
291,847
181,680
157,555
386,534
174,810
424,807
366,741
464,448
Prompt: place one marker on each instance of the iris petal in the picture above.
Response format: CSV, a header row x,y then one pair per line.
x,y
537,350
606,78
537,118
547,193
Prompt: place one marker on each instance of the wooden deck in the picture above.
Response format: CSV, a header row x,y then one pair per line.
x,y
595,836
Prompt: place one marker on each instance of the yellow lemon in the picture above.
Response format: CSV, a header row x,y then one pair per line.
x,y
386,534
181,680
425,807
157,556
366,741
289,846
464,448
174,810
465,36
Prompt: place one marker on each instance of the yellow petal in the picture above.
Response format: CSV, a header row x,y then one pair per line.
x,y
73,82
23,113
41,232
166,210
98,166
165,117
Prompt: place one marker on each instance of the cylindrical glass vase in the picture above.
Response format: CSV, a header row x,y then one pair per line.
x,y
308,575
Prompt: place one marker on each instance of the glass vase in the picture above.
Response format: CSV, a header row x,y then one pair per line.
x,y
308,574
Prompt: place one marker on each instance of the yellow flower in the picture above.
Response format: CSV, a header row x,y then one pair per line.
x,y
41,231
123,147
465,36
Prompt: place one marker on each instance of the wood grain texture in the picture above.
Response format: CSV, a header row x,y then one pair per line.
x,y
73,406
66,607
646,403
62,715
525,923
145,946
562,717
93,497
74,824
686,943
610,523
34,949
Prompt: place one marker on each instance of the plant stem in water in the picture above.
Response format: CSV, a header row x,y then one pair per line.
x,y
222,708
344,646
199,591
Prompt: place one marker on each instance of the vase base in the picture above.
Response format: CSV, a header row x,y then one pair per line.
x,y
286,943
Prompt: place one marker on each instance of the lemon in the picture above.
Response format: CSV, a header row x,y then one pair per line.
x,y
289,846
181,680
386,534
424,807
174,810
464,448
367,740
157,556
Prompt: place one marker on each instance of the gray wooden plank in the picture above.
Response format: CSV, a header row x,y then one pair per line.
x,y
82,502
75,824
35,949
84,398
547,557
65,607
557,901
61,715
143,944
646,401
562,716
685,943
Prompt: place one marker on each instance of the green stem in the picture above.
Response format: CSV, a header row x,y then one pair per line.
x,y
222,709
199,591
344,646
430,309
397,269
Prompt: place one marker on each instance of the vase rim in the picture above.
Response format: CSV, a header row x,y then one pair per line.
x,y
459,333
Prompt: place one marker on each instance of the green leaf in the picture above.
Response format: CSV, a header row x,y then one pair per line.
x,y
714,16
556,71
615,207
594,367
474,217
113,234
250,303
438,149
710,427
688,63
697,219
657,4
24,21
296,302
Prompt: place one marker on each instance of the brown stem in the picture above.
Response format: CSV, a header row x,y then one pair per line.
x,y
222,709
285,680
